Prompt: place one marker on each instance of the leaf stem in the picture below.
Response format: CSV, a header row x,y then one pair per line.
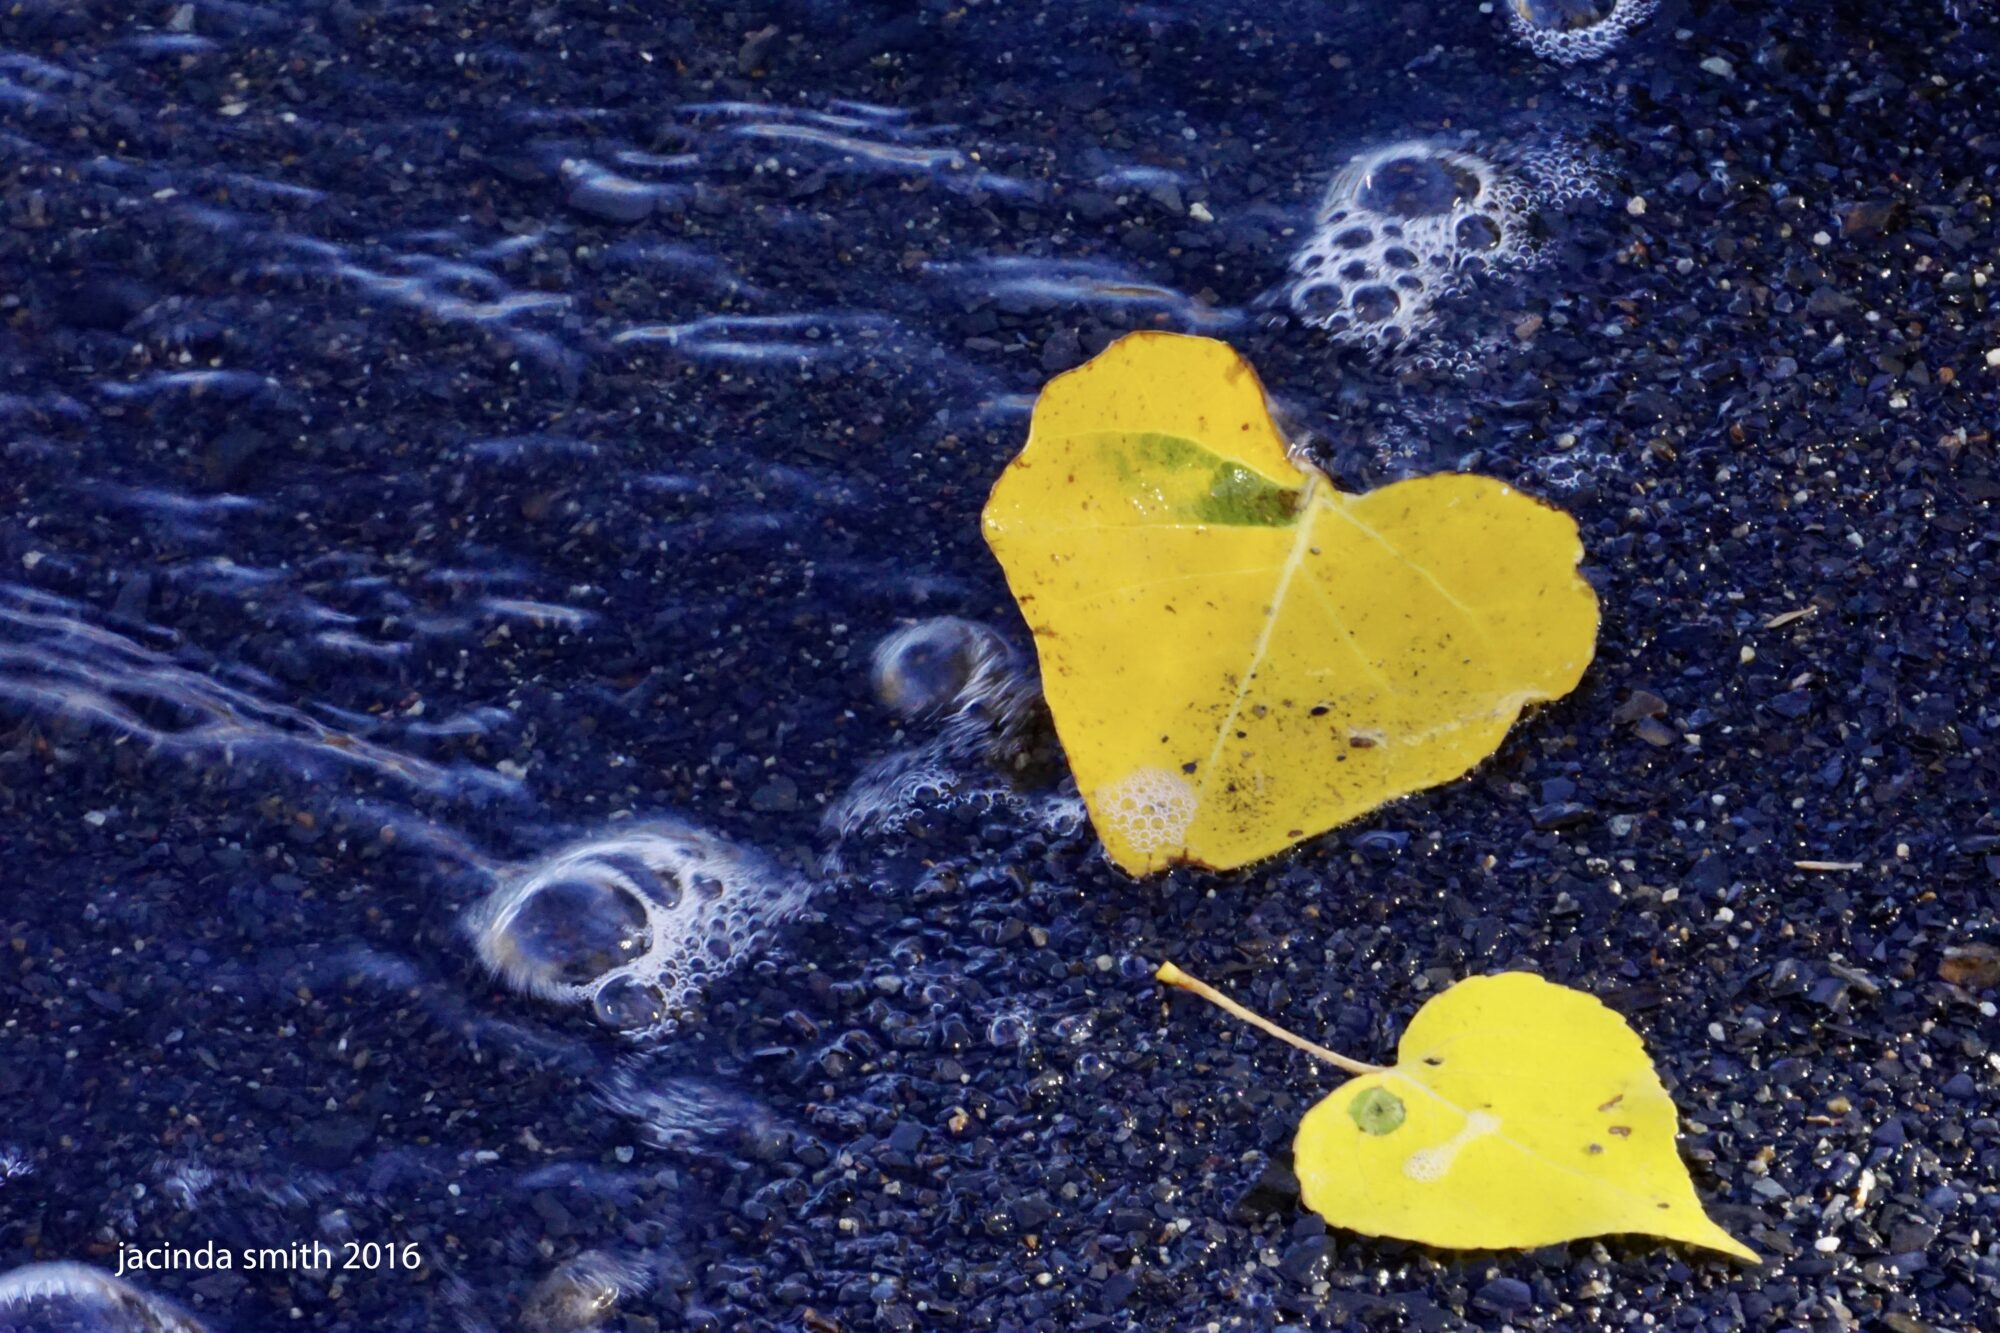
x,y
1169,975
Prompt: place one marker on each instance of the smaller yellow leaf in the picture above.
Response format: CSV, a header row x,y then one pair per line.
x,y
1526,1113
1519,1113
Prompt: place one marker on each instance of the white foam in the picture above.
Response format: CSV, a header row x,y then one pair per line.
x,y
1404,226
1150,808
1570,46
1381,257
650,915
964,677
1426,1165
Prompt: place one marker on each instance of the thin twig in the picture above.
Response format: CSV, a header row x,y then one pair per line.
x,y
1169,975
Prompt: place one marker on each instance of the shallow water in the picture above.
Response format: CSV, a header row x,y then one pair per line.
x,y
457,464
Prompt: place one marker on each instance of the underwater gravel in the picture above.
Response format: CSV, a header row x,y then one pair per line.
x,y
953,1097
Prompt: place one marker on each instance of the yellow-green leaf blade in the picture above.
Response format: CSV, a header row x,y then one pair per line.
x,y
1236,655
1530,1115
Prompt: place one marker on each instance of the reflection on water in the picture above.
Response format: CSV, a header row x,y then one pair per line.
x,y
75,1298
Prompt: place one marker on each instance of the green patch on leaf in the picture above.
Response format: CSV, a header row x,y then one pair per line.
x,y
1377,1111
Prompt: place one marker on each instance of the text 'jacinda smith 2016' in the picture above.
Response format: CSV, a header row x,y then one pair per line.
x,y
307,1255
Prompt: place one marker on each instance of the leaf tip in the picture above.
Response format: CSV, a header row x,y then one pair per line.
x,y
1725,1243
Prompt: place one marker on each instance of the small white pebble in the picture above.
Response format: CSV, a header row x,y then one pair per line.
x,y
1199,212
1636,205
1827,1244
1821,238
1719,67
95,818
1993,358
1747,655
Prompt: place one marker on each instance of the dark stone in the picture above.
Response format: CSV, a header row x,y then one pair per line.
x,y
1505,1296
333,1142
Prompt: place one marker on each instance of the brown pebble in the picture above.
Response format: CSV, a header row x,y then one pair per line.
x,y
1973,966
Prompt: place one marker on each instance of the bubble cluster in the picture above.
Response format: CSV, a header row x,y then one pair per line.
x,y
1151,809
1405,226
634,924
76,1298
964,679
1569,32
1399,228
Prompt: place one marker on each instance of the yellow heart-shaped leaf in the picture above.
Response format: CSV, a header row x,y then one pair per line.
x,y
1236,654
1519,1113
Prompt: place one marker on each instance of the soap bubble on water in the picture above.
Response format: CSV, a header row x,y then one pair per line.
x,y
635,924
76,1298
937,665
1569,32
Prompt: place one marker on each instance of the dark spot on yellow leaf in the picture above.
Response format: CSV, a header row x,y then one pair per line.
x,y
1613,1102
1622,1131
1595,1149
